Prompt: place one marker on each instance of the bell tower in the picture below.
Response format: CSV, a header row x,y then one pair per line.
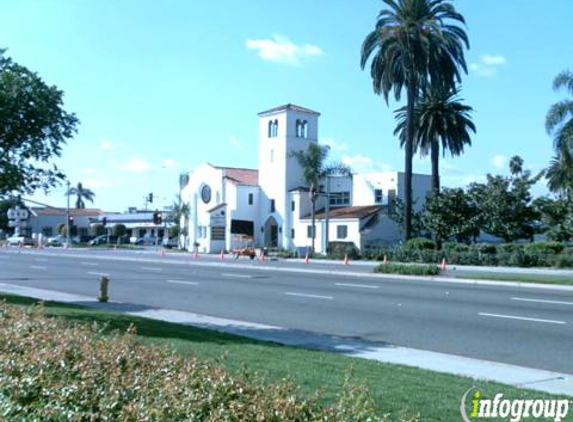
x,y
282,130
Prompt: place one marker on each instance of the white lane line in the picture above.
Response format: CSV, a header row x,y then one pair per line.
x,y
41,260
236,275
553,302
92,264
96,273
191,283
310,296
519,318
37,267
366,286
151,268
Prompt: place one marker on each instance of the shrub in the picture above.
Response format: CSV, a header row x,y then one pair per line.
x,y
406,269
419,244
119,230
548,248
338,250
98,230
54,371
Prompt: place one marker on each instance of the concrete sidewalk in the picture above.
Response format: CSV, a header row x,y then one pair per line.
x,y
540,380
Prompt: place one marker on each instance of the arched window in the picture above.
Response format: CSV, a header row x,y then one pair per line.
x,y
304,129
298,128
270,128
275,128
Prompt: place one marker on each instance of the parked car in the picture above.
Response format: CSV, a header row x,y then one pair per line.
x,y
171,243
82,239
20,240
57,240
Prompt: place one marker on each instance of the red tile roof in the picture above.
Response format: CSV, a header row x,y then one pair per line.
x,y
348,212
76,212
289,106
239,176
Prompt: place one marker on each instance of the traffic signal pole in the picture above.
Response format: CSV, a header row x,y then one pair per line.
x,y
68,216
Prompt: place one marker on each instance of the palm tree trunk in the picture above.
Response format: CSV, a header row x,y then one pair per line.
x,y
435,158
409,156
312,213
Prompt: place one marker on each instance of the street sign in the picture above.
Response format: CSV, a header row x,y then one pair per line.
x,y
18,213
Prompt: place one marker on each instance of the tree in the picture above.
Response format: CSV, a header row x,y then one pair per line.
x,y
98,230
556,216
506,206
5,205
63,230
180,212
119,230
81,194
516,165
314,169
441,120
397,214
450,213
415,42
33,129
559,124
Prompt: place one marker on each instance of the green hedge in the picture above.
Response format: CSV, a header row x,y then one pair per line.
x,y
405,269
53,371
537,254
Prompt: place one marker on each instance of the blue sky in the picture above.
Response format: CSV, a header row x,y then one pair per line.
x,y
161,87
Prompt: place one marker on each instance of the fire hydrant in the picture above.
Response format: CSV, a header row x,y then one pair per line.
x,y
103,284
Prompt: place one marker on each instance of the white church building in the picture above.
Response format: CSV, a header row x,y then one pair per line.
x,y
270,205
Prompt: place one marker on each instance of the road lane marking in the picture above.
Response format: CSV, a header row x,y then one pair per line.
x,y
93,264
151,268
366,286
41,260
553,302
96,273
519,318
191,283
236,275
37,267
310,296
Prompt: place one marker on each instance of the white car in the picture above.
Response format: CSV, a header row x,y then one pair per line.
x,y
17,240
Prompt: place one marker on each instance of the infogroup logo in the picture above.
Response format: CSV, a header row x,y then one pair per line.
x,y
513,409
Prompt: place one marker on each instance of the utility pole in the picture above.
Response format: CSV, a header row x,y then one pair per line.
x,y
68,216
326,215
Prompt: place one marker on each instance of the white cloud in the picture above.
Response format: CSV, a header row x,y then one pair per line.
x,y
488,65
235,142
499,161
105,145
137,165
280,49
334,146
168,163
360,163
493,60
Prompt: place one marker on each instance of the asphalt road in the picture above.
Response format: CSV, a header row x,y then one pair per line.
x,y
532,328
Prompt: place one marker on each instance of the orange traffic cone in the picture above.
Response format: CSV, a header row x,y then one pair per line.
x,y
385,260
222,256
196,254
444,266
162,252
306,259
346,259
262,256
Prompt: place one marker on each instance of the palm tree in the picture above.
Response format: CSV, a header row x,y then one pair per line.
x,y
559,124
314,169
415,42
559,174
441,119
559,120
180,211
81,193
516,165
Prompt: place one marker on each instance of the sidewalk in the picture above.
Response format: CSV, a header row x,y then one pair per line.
x,y
540,380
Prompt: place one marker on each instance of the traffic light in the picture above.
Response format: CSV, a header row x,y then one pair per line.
x,y
150,198
104,221
157,218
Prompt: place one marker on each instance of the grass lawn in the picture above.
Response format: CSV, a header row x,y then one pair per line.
x,y
527,278
435,396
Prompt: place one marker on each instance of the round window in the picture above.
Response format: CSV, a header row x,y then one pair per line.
x,y
206,194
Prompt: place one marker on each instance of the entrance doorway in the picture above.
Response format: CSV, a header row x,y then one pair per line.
x,y
271,233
